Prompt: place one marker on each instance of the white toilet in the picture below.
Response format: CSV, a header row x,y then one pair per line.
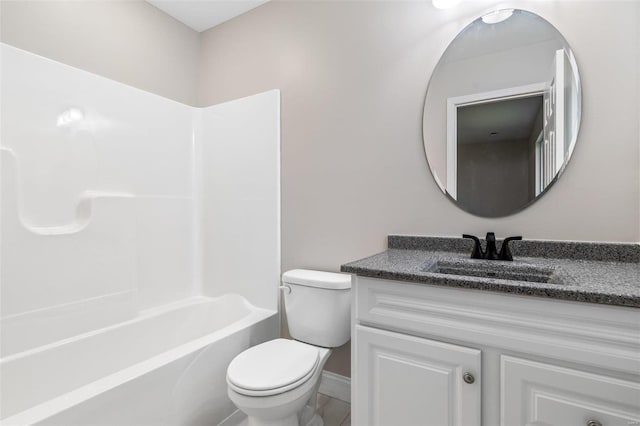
x,y
275,383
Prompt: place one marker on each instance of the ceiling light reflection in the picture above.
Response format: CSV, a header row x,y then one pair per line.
x,y
497,16
68,117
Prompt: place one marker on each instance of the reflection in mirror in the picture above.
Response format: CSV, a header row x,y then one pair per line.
x,y
504,133
502,113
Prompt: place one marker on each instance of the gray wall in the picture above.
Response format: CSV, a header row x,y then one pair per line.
x,y
493,177
353,77
128,41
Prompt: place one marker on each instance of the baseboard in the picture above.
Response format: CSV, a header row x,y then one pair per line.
x,y
336,386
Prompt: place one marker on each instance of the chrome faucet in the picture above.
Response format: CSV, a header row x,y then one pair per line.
x,y
491,252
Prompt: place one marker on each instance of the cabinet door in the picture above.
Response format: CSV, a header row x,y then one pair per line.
x,y
534,393
403,380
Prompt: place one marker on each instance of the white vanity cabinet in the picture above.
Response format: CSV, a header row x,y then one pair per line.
x,y
430,355
539,393
407,380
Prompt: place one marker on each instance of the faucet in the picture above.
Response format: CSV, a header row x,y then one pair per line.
x,y
505,253
491,252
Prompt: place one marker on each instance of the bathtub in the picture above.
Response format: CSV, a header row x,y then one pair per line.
x,y
165,367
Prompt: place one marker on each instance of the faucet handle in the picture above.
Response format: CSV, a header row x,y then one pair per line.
x,y
505,253
477,252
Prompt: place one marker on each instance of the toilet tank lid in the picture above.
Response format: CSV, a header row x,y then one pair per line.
x,y
320,279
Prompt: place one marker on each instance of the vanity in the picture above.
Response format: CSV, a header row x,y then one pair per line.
x,y
471,346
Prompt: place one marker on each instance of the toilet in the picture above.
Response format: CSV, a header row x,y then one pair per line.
x,y
276,382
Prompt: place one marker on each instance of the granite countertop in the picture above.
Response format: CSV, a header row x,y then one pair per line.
x,y
583,272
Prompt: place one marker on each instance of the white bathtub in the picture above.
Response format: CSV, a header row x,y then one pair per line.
x,y
165,367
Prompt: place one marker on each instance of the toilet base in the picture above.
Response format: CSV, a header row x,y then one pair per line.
x,y
288,421
308,416
316,420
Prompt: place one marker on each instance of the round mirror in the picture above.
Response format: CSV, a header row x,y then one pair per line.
x,y
502,113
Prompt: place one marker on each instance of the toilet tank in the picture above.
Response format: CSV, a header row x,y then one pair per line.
x,y
318,306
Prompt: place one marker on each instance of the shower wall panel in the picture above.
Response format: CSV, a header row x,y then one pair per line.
x,y
239,149
106,211
97,200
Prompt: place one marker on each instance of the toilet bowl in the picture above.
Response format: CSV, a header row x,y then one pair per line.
x,y
272,386
276,382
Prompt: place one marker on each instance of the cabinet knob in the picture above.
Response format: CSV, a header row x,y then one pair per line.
x,y
468,378
594,423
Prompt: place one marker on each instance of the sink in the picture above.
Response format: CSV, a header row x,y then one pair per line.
x,y
499,270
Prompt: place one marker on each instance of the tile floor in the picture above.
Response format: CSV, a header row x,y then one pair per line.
x,y
333,411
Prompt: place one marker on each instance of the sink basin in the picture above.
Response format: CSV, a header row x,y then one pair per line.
x,y
499,270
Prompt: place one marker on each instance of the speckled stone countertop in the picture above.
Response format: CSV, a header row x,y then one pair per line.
x,y
583,272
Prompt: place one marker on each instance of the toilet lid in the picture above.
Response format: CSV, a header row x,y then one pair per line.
x,y
272,366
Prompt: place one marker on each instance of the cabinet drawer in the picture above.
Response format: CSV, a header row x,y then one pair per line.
x,y
404,380
584,333
534,393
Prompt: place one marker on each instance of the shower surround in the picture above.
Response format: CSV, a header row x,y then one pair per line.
x,y
120,208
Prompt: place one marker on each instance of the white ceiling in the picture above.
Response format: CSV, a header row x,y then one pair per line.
x,y
204,14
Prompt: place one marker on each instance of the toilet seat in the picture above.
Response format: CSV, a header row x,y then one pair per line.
x,y
273,367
